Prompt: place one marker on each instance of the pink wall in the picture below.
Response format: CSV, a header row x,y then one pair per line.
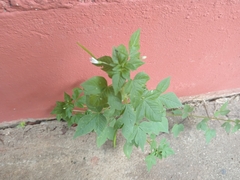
x,y
195,42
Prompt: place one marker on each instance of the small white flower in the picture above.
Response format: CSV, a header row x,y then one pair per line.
x,y
94,61
144,57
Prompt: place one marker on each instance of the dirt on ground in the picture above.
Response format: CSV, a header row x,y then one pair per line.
x,y
46,150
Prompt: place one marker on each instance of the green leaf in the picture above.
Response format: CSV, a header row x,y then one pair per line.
x,y
203,125
163,85
164,125
75,118
125,73
136,87
177,128
227,126
121,54
186,111
127,149
85,125
222,111
80,101
154,127
67,98
236,126
177,112
170,100
153,143
76,93
96,102
134,45
150,161
68,110
133,64
209,134
117,82
107,60
58,109
107,65
107,133
89,123
140,138
150,127
100,123
115,101
140,79
94,85
128,119
150,109
164,149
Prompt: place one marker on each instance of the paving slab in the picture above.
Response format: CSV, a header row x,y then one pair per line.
x,y
48,151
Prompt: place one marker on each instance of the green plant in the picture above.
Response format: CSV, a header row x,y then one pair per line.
x,y
129,106
21,125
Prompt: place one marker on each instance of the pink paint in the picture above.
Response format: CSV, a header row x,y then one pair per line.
x,y
197,43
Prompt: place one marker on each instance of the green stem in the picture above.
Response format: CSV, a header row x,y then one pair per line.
x,y
197,116
115,139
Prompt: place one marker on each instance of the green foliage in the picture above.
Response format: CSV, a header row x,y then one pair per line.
x,y
127,105
222,111
21,125
177,128
208,132
160,152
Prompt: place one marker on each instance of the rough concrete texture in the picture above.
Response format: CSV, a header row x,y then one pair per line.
x,y
48,151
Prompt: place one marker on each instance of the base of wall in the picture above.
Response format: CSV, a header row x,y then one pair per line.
x,y
211,96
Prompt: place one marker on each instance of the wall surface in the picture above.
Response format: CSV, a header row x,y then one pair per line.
x,y
195,42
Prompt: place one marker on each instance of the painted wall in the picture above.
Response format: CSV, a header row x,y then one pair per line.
x,y
195,42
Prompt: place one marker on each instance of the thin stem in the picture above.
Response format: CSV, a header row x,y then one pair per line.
x,y
197,116
75,110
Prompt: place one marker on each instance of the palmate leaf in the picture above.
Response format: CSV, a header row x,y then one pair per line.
x,y
96,102
76,93
140,138
139,133
133,64
94,85
154,127
150,161
120,54
128,119
177,128
227,126
170,100
236,127
186,111
163,85
115,101
107,133
164,149
67,98
209,134
222,111
89,123
135,88
85,125
134,45
117,82
149,107
107,65
203,124
127,149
